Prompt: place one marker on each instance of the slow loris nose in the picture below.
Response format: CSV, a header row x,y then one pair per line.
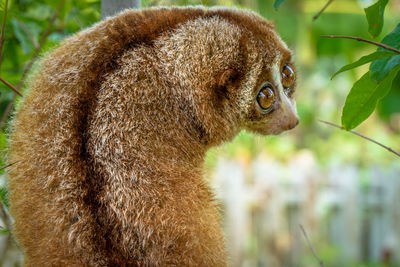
x,y
289,110
292,123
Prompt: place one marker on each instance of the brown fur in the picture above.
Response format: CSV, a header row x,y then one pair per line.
x,y
113,133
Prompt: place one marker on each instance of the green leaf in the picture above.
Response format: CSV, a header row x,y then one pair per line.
x,y
277,3
362,99
26,33
364,60
389,105
380,68
374,15
22,37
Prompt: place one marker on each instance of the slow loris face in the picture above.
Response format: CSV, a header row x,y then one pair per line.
x,y
273,109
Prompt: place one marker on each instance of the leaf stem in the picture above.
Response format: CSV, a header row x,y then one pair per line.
x,y
8,165
364,40
322,10
362,136
321,263
11,86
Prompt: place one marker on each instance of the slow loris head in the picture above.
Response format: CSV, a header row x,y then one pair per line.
x,y
235,72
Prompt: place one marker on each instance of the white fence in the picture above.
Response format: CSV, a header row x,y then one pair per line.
x,y
352,215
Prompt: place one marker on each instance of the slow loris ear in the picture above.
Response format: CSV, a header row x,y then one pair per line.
x,y
213,105
228,77
226,81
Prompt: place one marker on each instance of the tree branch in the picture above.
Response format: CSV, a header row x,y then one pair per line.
x,y
364,40
322,10
11,86
362,136
3,24
321,263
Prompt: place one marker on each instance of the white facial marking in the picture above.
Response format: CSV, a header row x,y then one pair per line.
x,y
288,105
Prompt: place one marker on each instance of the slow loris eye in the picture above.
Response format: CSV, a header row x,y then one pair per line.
x,y
265,98
287,77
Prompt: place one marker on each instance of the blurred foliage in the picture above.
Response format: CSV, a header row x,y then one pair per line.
x,y
26,22
277,3
377,83
317,60
3,196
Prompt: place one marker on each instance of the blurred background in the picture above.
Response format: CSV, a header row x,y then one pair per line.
x,y
343,190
